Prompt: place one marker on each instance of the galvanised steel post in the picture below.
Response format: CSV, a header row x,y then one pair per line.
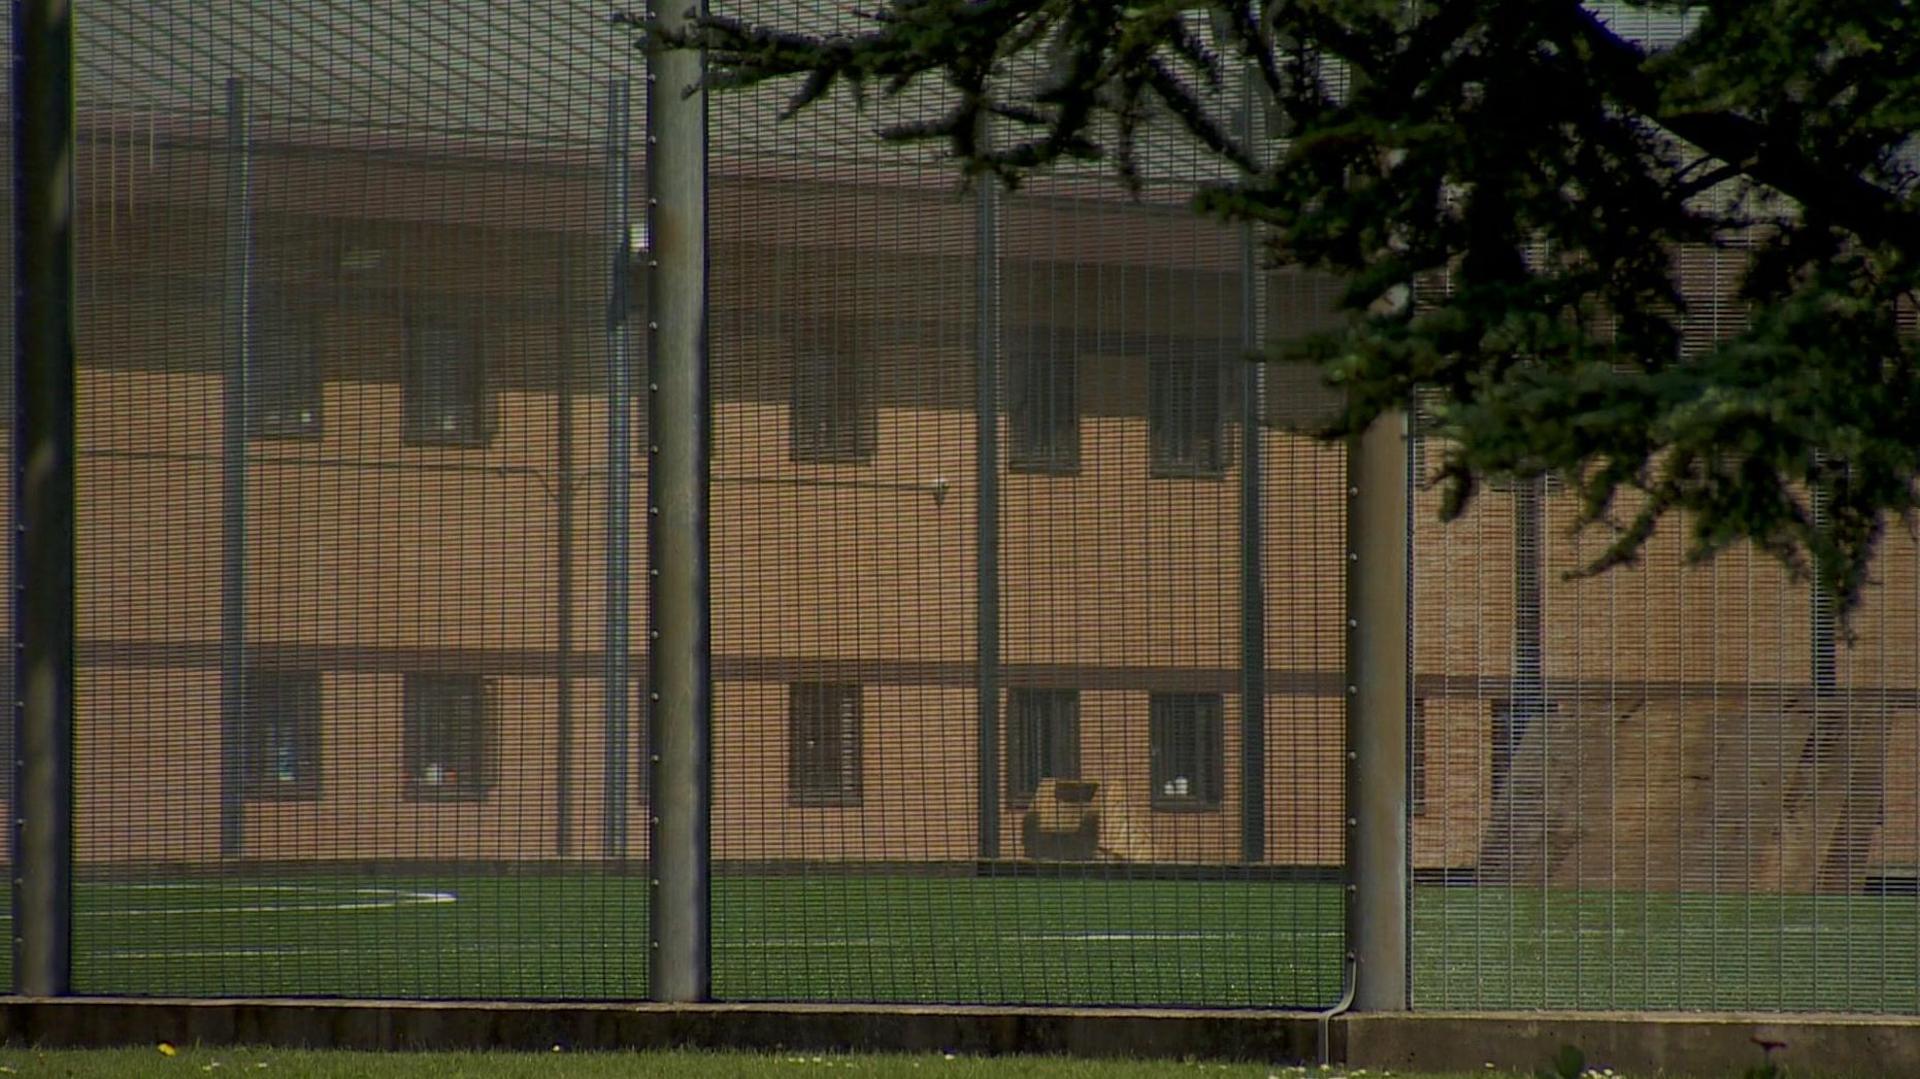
x,y
987,513
1253,585
43,496
237,331
680,697
1378,691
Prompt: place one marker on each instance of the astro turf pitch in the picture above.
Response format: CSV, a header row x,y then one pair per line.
x,y
967,939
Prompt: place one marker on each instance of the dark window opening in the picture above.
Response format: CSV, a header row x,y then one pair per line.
x,y
1043,739
444,389
824,721
446,743
1417,767
1043,411
283,375
1185,409
833,419
1187,769
280,736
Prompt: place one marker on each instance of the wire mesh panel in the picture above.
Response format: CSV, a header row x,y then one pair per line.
x,y
355,425
1673,785
980,723
843,327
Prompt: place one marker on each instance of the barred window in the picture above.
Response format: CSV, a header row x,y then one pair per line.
x,y
1188,758
283,371
1043,411
824,721
1185,409
833,418
444,394
446,737
1043,739
279,737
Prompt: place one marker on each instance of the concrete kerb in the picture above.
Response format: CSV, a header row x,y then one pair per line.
x,y
1634,1043
388,1025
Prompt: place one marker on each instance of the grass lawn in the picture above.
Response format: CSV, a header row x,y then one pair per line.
x,y
1505,948
279,1064
966,939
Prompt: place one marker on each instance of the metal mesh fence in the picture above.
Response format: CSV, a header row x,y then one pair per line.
x,y
351,423
980,730
1674,785
1027,604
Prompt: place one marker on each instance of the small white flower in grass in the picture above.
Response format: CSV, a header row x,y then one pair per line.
x,y
948,1056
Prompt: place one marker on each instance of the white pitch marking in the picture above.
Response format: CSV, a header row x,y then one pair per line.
x,y
370,899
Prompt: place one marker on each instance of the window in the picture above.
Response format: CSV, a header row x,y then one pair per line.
x,y
1043,411
824,756
444,388
832,416
1184,406
1417,770
280,736
1043,739
1187,754
283,376
1296,398
446,737
1512,720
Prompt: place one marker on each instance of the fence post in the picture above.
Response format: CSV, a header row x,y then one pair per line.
x,y
615,753
680,690
1253,585
43,494
1378,685
237,315
563,551
987,511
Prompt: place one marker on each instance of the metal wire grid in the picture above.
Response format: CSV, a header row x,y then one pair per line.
x,y
344,488
1672,786
855,858
1667,787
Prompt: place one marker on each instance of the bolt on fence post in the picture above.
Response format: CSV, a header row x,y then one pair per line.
x,y
43,496
680,697
1379,683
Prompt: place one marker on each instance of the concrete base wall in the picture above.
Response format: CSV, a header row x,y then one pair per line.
x,y
75,1022
1633,1043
